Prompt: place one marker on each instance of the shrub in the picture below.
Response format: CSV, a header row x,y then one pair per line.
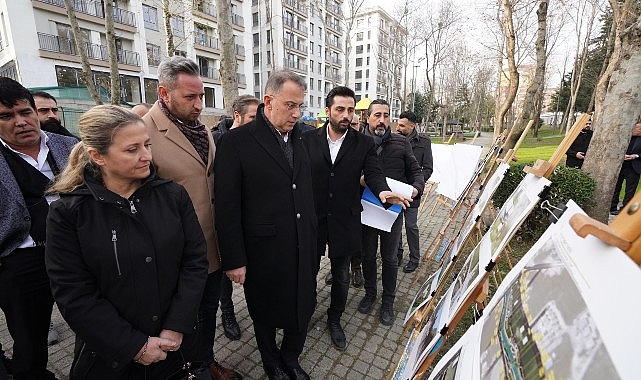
x,y
567,183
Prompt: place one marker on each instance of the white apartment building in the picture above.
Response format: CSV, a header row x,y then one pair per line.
x,y
376,57
305,36
37,47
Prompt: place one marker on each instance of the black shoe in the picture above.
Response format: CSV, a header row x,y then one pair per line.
x,y
337,334
357,278
7,363
297,374
387,315
276,373
328,278
367,304
410,267
230,326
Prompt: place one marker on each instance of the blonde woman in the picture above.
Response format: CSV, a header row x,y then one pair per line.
x,y
127,256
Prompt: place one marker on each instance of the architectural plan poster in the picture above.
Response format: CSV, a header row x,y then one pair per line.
x,y
491,186
568,310
424,294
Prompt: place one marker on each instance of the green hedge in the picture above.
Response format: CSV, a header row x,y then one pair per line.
x,y
567,183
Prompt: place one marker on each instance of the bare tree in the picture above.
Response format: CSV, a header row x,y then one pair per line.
x,y
81,45
114,73
228,64
353,8
507,28
169,33
617,105
531,109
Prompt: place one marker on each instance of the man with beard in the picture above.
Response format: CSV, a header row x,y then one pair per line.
x,y
47,109
339,154
398,163
422,149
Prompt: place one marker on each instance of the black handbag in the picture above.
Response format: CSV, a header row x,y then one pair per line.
x,y
191,371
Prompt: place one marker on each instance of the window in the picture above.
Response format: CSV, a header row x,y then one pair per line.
x,y
150,16
319,101
311,27
256,37
320,31
269,36
151,90
177,26
320,67
359,36
319,84
368,48
311,101
357,86
311,46
269,57
358,74
256,59
359,62
311,66
130,89
359,49
256,79
255,19
153,54
367,61
367,73
369,34
359,22
311,83
210,97
366,85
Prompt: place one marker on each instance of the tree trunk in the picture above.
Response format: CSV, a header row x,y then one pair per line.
x,y
508,31
171,48
81,47
114,73
617,108
531,104
606,61
228,63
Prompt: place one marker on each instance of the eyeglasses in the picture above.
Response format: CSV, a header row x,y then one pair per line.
x,y
46,110
291,105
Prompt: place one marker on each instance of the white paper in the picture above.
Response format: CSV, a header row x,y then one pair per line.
x,y
400,187
377,217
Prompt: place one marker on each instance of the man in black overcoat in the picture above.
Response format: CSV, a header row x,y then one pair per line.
x,y
267,231
630,171
339,155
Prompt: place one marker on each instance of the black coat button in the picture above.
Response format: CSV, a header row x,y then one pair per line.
x,y
148,259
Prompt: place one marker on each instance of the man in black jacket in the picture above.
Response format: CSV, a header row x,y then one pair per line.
x,y
576,152
398,163
339,154
422,149
630,171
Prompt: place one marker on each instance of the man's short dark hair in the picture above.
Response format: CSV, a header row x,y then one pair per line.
x,y
11,92
242,102
409,115
377,101
42,94
278,78
339,91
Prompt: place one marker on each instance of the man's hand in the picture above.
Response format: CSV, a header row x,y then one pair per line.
x,y
629,157
580,155
174,336
414,192
394,198
154,350
237,275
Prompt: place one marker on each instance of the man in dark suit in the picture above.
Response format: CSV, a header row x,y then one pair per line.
x,y
267,222
339,154
630,171
398,163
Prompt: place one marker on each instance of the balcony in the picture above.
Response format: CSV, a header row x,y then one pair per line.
x,y
296,26
205,7
297,6
334,8
292,64
206,41
95,8
56,44
209,72
333,77
334,26
333,43
336,61
299,47
240,49
238,20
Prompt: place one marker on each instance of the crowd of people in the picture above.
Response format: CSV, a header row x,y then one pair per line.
x,y
147,246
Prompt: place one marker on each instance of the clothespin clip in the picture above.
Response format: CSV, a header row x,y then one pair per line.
x,y
555,211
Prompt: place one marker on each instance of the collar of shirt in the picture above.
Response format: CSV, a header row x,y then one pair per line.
x,y
41,162
334,146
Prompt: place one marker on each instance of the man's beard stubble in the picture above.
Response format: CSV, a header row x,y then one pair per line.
x,y
337,127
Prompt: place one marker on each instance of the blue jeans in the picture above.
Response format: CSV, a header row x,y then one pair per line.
x,y
207,317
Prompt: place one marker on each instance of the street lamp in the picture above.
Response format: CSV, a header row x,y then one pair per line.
x,y
414,81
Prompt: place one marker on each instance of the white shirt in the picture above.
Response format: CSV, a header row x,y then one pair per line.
x,y
43,166
334,146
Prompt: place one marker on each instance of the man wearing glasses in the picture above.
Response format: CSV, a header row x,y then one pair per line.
x,y
266,222
47,109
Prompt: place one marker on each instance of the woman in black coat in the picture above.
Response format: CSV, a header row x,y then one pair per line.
x,y
127,258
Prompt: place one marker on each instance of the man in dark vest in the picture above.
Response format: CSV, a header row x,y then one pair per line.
x,y
29,159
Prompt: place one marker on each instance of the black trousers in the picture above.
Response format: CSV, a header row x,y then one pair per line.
x,y
26,300
226,289
631,178
339,267
290,348
389,260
